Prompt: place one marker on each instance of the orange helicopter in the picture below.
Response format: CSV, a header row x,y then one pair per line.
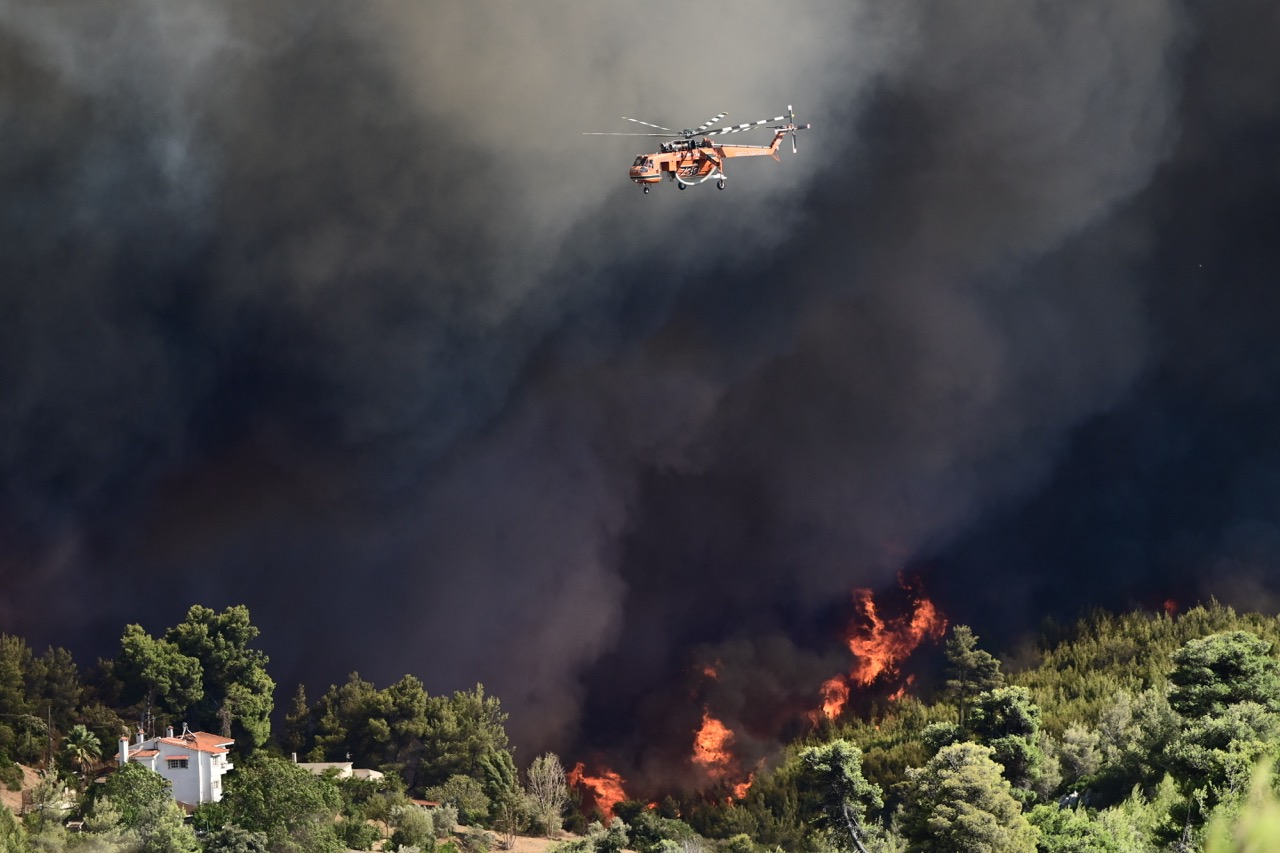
x,y
689,160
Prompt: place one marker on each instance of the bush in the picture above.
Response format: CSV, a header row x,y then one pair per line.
x,y
10,774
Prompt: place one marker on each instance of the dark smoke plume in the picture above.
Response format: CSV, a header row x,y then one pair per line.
x,y
330,310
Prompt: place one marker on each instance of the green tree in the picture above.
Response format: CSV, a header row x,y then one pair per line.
x,y
832,772
960,802
970,670
299,724
1006,720
13,838
548,793
462,731
55,687
81,749
236,691
295,809
1222,669
162,828
1214,756
466,795
1253,828
234,839
156,671
413,827
133,791
1070,831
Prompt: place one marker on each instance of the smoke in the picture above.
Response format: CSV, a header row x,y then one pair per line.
x,y
332,311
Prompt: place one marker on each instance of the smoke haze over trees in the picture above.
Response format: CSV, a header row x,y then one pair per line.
x,y
328,309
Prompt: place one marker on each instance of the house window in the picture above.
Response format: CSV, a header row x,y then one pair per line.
x,y
177,763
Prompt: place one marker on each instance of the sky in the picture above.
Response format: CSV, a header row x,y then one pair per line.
x,y
331,310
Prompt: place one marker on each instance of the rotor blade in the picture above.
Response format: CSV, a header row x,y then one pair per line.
x,y
660,135
738,128
715,118
647,124
793,142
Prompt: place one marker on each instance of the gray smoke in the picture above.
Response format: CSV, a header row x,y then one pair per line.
x,y
332,311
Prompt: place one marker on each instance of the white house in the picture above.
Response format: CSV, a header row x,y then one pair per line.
x,y
343,769
193,762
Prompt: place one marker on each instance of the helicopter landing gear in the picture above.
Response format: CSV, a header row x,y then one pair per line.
x,y
646,190
682,185
720,184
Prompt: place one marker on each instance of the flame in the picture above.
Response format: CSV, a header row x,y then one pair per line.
x,y
835,693
711,670
711,747
1170,607
605,790
713,752
881,646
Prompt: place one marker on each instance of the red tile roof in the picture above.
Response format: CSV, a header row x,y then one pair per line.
x,y
200,742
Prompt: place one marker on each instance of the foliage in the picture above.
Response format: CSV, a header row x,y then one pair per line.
x,y
1006,720
466,795
1070,831
414,827
134,791
162,828
292,807
236,691
155,670
13,838
234,839
840,796
970,670
1254,826
959,802
81,748
548,793
1224,669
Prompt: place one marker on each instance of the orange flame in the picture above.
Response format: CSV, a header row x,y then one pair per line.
x,y
605,790
835,693
881,646
713,751
711,747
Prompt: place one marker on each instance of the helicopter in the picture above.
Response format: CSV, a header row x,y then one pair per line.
x,y
692,157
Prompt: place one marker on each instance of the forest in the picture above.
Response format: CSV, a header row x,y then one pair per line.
x,y
1129,733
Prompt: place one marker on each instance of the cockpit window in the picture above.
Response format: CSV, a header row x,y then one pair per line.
x,y
639,161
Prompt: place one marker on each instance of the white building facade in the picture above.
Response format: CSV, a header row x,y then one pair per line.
x,y
193,762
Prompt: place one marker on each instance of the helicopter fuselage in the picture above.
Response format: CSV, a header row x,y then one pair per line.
x,y
692,161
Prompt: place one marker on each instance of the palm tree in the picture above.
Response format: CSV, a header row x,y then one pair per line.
x,y
81,748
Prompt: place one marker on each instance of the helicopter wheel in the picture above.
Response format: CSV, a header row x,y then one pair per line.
x,y
682,185
720,184
646,190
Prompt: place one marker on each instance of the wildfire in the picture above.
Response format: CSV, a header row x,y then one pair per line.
x,y
879,646
605,790
713,751
835,693
711,747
